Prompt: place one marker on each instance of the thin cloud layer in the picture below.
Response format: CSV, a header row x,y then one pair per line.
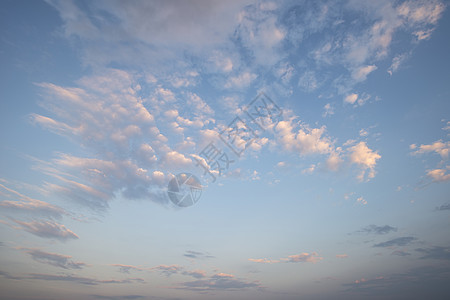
x,y
401,241
47,229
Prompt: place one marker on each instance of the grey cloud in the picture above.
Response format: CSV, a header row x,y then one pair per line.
x,y
81,280
168,270
400,253
444,207
401,241
423,282
195,274
378,229
126,297
126,268
57,260
436,252
218,282
197,255
70,278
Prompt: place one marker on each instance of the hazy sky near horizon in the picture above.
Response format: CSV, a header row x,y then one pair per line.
x,y
342,194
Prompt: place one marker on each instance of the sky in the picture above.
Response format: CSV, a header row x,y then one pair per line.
x,y
314,137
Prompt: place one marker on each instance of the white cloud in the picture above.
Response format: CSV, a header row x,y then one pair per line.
x,y
439,175
310,169
365,158
439,147
305,140
351,98
334,161
360,74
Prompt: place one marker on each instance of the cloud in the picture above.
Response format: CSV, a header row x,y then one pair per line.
x,y
328,110
80,280
304,140
361,200
125,297
127,268
365,158
263,260
111,118
25,204
168,270
196,273
304,257
415,283
197,255
400,253
360,74
220,281
47,229
308,81
378,229
241,81
71,278
439,147
54,259
401,241
444,207
439,175
351,98
396,62
436,252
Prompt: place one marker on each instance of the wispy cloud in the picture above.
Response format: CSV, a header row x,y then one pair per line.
x,y
47,229
400,253
436,252
168,270
17,202
219,281
443,207
127,268
401,241
304,257
378,229
72,278
197,255
54,259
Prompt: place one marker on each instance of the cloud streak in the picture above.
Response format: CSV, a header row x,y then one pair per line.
x,y
54,259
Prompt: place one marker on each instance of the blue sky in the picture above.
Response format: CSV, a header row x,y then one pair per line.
x,y
343,195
